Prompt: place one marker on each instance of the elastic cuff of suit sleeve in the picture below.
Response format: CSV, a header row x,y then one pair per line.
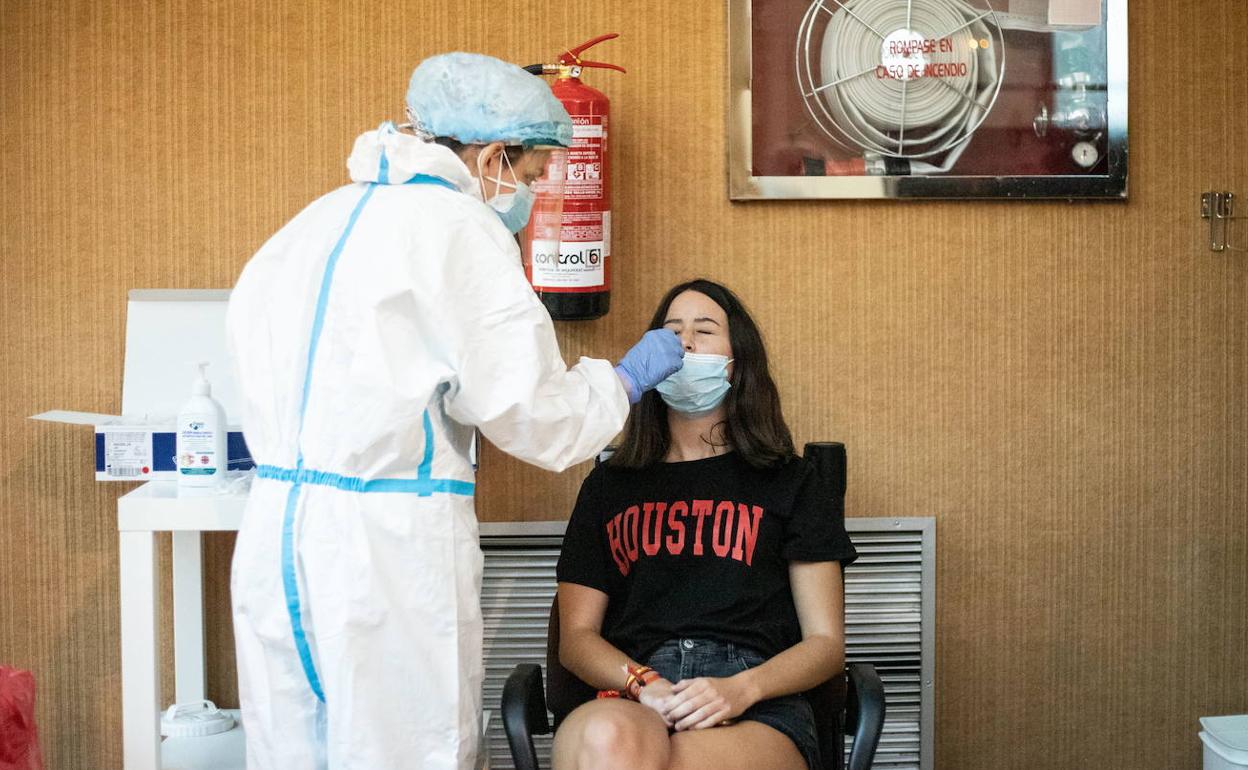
x,y
630,386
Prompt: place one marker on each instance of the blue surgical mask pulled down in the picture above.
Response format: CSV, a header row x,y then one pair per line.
x,y
698,386
513,208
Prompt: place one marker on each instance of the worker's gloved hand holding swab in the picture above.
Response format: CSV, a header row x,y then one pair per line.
x,y
655,357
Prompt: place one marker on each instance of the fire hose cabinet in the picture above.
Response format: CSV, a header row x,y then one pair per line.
x,y
928,99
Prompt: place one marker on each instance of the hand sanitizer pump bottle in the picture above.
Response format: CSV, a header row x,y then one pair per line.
x,y
201,439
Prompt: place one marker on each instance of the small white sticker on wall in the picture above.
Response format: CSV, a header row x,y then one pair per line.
x,y
1075,12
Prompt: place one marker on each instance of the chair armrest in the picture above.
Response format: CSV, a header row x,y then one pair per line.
x,y
864,714
524,713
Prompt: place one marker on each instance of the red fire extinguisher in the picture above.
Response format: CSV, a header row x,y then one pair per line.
x,y
567,252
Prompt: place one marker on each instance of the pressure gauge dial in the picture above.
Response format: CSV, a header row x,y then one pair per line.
x,y
1085,154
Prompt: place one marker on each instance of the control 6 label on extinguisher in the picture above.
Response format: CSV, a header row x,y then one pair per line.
x,y
577,261
574,264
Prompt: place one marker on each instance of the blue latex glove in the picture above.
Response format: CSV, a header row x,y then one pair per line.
x,y
655,357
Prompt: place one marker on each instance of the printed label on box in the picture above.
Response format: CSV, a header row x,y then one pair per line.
x,y
127,454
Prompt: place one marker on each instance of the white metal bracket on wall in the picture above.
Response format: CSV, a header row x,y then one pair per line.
x,y
1219,209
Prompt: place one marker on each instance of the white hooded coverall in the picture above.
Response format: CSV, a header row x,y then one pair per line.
x,y
371,334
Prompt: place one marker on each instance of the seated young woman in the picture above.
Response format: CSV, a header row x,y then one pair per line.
x,y
701,571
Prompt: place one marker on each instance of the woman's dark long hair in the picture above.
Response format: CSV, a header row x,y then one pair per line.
x,y
753,422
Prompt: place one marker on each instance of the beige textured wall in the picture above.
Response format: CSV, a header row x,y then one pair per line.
x,y
1062,385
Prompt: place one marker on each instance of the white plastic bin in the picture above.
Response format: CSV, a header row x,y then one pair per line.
x,y
1226,742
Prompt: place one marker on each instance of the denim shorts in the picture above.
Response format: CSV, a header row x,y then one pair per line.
x,y
678,659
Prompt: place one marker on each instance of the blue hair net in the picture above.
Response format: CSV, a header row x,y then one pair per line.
x,y
478,99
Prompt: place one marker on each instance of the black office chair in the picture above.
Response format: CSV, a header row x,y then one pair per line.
x,y
849,702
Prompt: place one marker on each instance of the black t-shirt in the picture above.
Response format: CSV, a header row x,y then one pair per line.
x,y
701,549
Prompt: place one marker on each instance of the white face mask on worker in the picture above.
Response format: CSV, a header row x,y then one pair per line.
x,y
513,208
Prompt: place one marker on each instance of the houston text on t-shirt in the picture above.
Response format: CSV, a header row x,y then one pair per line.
x,y
649,528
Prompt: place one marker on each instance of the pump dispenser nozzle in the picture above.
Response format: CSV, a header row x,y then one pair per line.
x,y
201,386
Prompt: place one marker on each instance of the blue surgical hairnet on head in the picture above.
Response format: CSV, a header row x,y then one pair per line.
x,y
478,99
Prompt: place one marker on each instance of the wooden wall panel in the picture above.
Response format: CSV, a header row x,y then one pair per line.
x,y
1064,386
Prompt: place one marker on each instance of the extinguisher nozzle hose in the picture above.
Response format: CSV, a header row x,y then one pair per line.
x,y
542,69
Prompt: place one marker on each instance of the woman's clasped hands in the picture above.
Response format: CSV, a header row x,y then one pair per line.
x,y
695,704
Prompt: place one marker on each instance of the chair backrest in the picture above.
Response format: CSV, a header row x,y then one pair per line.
x,y
565,691
827,700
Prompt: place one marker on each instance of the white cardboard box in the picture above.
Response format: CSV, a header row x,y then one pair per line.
x,y
167,332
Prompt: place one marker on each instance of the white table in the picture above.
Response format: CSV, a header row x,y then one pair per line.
x,y
151,508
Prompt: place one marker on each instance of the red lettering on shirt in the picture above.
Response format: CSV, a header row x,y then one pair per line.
x,y
614,544
651,538
639,530
723,515
676,544
747,532
630,531
701,509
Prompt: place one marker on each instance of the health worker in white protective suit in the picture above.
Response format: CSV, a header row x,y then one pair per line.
x,y
371,334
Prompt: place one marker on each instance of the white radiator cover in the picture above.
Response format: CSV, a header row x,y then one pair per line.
x,y
890,610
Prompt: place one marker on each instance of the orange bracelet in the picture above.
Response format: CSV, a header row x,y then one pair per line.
x,y
638,678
